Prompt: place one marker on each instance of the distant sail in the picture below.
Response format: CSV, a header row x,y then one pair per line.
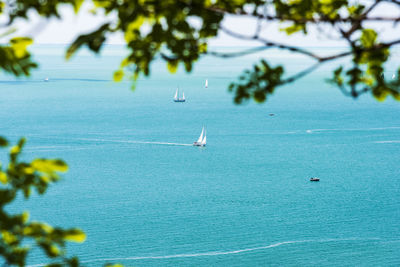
x,y
394,76
203,143
206,83
202,139
177,98
201,136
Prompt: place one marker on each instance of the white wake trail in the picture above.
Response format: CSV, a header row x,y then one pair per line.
x,y
387,142
134,142
352,129
218,253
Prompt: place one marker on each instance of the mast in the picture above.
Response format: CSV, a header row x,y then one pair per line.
x,y
176,94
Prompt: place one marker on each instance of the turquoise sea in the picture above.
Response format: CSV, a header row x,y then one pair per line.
x,y
145,198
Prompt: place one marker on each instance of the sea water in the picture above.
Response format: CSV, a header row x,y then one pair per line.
x,y
145,197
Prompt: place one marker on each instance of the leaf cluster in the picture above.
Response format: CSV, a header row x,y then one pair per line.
x,y
367,72
15,58
178,32
369,55
301,12
45,8
257,83
17,233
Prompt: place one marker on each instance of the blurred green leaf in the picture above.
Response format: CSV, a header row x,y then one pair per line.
x,y
93,40
172,66
3,142
118,75
49,165
75,235
368,38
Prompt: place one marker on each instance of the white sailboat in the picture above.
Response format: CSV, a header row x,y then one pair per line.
x,y
206,83
394,76
202,141
177,98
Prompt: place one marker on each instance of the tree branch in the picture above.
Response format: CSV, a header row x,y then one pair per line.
x,y
308,20
302,73
239,53
270,43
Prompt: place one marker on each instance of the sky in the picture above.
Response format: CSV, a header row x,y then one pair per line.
x,y
65,30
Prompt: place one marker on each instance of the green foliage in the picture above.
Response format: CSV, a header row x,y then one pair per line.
x,y
162,27
3,142
367,73
15,58
18,234
368,38
257,83
20,8
302,11
93,40
178,32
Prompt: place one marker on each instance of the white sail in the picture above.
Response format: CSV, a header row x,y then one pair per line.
x,y
176,94
203,143
394,76
183,96
206,83
201,137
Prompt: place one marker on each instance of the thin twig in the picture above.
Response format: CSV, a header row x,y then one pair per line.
x,y
270,43
301,74
239,53
307,20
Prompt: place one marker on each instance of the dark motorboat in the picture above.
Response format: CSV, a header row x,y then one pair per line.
x,y
314,179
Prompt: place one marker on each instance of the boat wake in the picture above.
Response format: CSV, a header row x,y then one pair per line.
x,y
158,143
387,142
219,253
54,148
352,129
134,142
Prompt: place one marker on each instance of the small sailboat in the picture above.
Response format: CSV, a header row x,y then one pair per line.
x,y
206,86
202,141
177,98
46,79
394,76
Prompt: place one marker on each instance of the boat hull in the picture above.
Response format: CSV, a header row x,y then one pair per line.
x,y
198,144
179,100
